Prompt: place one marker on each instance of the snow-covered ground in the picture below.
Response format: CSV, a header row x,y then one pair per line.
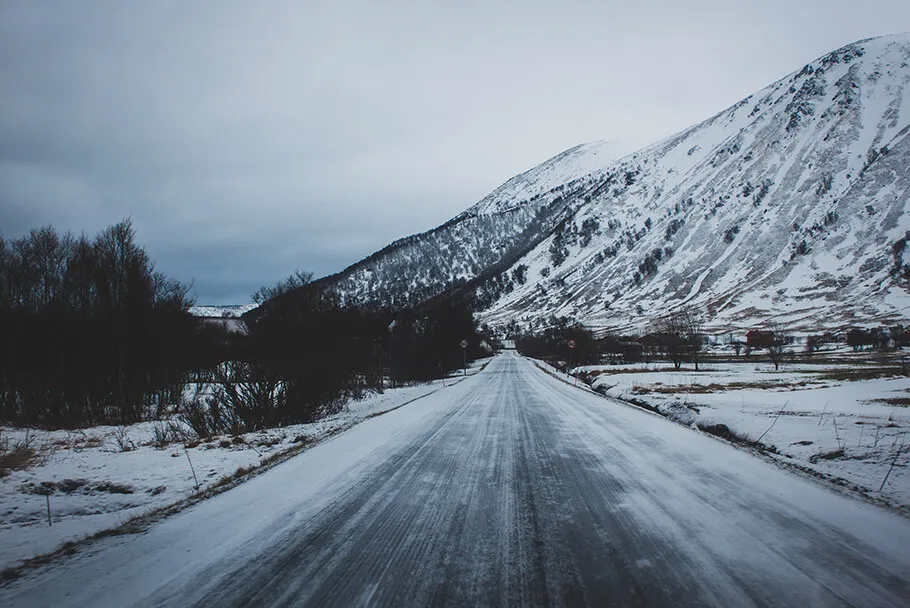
x,y
838,420
233,311
99,478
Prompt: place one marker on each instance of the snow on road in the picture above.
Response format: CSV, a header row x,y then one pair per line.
x,y
509,488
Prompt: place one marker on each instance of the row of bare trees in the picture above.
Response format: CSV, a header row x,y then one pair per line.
x,y
90,332
678,337
553,344
305,356
682,335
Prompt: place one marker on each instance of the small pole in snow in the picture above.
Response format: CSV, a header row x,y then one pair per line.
x,y
576,372
187,452
893,462
773,422
442,372
47,497
572,346
464,357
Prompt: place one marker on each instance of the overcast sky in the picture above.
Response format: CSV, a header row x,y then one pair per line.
x,y
249,139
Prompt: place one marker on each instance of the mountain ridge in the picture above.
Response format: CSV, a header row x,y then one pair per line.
x,y
801,187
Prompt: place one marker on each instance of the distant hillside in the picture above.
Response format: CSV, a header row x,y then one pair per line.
x,y
499,229
790,206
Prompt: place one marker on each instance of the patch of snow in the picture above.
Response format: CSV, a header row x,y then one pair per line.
x,y
800,411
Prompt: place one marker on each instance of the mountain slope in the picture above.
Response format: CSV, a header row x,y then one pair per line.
x,y
789,207
500,228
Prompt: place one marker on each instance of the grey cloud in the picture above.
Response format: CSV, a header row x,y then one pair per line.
x,y
247,140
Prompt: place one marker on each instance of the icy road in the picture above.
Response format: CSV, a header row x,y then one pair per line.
x,y
510,488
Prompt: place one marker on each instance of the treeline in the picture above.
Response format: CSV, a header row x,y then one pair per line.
x,y
426,344
553,345
304,356
679,338
300,361
90,332
878,337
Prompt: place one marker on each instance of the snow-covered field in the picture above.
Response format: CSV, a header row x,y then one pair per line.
x,y
837,420
99,478
234,311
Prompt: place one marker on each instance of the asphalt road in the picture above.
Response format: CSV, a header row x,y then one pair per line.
x,y
511,488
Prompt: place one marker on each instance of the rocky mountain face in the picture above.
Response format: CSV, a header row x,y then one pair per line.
x,y
492,234
789,208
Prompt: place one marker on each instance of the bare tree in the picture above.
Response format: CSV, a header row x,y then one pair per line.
x,y
295,281
682,335
777,345
668,333
693,323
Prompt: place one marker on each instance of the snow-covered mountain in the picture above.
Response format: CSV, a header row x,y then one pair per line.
x,y
789,207
492,234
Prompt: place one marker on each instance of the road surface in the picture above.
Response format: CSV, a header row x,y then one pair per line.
x,y
510,488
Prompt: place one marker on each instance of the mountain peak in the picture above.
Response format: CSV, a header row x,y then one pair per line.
x,y
789,207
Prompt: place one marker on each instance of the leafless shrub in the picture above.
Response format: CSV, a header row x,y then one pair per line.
x,y
121,439
165,432
896,401
195,414
243,397
830,455
227,479
113,488
725,432
681,335
79,440
777,348
45,488
22,454
70,486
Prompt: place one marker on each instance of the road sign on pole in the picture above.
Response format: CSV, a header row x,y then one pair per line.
x,y
572,346
464,357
